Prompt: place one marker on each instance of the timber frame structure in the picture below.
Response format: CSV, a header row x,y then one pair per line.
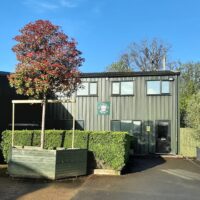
x,y
14,102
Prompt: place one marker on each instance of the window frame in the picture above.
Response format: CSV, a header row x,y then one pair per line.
x,y
115,120
140,125
161,93
89,94
169,127
80,120
165,93
83,95
94,95
120,88
130,122
112,88
120,121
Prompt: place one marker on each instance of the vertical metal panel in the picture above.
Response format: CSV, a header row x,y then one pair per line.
x,y
136,107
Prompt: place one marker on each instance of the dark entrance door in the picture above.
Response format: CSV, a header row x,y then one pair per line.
x,y
163,137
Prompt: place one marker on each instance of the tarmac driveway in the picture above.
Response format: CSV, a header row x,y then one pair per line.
x,y
144,179
147,179
32,189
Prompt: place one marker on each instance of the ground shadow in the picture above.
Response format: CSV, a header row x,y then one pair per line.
x,y
142,163
91,163
15,187
9,186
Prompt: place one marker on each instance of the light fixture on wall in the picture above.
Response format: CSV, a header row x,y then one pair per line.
x,y
171,79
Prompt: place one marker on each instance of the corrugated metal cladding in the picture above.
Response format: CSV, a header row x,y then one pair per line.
x,y
148,109
7,94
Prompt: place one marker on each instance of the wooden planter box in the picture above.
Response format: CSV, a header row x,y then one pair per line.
x,y
33,162
198,153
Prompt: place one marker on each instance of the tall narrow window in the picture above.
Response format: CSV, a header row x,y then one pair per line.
x,y
165,87
137,127
116,88
93,88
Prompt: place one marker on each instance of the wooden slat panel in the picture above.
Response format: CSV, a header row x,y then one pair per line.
x,y
49,164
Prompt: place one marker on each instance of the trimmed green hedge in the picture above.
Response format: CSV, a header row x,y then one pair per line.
x,y
110,149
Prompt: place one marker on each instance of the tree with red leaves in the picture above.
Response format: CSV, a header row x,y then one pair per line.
x,y
48,62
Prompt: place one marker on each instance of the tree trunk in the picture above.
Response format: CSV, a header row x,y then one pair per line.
x,y
43,122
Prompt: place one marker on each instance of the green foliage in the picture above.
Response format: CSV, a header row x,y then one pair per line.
x,y
189,85
146,55
110,149
48,61
189,140
122,65
193,112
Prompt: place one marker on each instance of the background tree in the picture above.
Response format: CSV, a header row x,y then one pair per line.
x,y
189,85
144,56
48,62
122,65
193,112
148,55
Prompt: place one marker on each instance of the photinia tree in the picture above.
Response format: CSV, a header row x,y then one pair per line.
x,y
48,62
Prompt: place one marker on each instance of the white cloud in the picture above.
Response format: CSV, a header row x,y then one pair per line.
x,y
68,3
49,5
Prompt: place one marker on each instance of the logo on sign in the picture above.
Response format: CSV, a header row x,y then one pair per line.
x,y
103,108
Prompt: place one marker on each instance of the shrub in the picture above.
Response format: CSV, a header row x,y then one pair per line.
x,y
110,149
189,141
193,112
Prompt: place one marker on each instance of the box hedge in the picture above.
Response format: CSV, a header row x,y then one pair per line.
x,y
109,150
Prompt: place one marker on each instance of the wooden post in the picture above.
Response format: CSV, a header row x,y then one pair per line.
x,y
44,103
74,120
43,123
13,123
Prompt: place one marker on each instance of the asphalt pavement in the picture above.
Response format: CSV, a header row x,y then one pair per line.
x,y
147,178
33,189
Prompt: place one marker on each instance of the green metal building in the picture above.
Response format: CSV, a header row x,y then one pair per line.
x,y
23,117
143,103
6,95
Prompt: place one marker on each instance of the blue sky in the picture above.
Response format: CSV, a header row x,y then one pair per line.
x,y
104,28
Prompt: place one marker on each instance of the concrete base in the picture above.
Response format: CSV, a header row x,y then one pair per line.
x,y
171,156
107,172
